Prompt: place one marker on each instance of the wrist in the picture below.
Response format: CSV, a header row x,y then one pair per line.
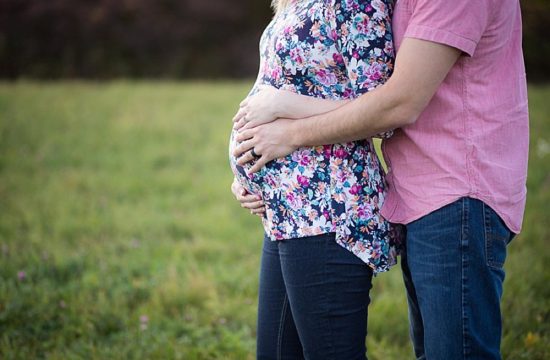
x,y
296,138
284,102
277,107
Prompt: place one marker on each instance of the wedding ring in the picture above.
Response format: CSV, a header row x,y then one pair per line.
x,y
253,153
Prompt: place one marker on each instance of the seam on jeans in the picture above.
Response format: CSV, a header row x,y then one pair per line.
x,y
491,238
281,328
465,233
327,251
488,243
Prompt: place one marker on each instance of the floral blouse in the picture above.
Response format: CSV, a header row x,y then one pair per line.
x,y
332,49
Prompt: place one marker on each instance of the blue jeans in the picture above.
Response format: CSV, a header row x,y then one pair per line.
x,y
453,272
313,300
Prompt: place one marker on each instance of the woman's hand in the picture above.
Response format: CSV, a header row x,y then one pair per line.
x,y
254,203
260,108
270,104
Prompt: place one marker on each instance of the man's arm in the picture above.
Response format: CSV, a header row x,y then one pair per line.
x,y
420,68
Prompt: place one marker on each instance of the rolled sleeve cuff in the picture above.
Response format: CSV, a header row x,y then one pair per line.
x,y
463,44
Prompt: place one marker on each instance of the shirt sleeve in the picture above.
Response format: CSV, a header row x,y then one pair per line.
x,y
365,41
459,24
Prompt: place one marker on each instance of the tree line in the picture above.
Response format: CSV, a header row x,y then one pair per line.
x,y
104,39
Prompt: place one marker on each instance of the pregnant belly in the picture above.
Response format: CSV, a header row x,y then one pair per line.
x,y
252,183
295,171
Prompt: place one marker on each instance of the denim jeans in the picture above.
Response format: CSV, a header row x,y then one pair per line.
x,y
453,272
313,300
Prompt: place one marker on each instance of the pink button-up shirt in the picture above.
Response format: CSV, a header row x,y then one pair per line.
x,y
473,138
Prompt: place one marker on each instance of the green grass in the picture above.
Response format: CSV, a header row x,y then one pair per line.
x,y
120,239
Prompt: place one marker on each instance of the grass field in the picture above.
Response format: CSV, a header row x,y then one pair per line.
x,y
120,238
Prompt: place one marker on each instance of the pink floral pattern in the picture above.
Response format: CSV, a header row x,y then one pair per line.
x,y
335,49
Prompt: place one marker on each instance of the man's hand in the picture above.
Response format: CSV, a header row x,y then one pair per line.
x,y
254,203
269,141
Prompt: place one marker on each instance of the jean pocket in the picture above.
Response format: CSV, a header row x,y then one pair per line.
x,y
497,238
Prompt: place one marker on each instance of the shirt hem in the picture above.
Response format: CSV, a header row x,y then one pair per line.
x,y
377,269
441,36
409,219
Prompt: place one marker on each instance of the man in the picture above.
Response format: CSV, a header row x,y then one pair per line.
x,y
457,167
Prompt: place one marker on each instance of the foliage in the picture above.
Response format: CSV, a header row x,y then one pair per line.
x,y
114,38
536,43
119,238
167,38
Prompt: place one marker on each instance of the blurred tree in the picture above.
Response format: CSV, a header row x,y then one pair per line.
x,y
166,38
536,41
107,38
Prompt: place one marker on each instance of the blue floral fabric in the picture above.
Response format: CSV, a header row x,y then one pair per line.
x,y
331,49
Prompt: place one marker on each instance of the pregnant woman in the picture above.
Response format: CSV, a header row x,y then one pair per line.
x,y
320,206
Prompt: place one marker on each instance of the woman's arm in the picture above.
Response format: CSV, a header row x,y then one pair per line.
x,y
269,104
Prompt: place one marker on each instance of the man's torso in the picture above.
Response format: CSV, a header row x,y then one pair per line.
x,y
472,139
